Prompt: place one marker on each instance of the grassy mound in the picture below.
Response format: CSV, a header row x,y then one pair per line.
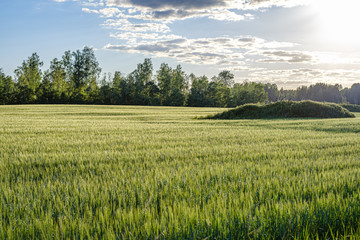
x,y
351,107
285,109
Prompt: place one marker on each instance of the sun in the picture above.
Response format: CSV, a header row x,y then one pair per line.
x,y
338,21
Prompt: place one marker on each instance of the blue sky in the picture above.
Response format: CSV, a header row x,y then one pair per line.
x,y
287,42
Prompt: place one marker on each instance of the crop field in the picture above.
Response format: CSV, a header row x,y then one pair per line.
x,y
125,172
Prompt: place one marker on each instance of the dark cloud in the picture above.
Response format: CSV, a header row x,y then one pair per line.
x,y
202,42
307,71
166,14
175,41
247,40
258,1
178,4
141,47
221,40
153,48
117,47
285,56
211,55
168,5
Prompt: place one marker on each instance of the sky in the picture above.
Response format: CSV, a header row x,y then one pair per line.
x,y
286,42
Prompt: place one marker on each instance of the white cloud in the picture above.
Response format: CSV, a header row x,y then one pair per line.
x,y
287,56
93,3
87,10
293,78
219,51
126,26
109,12
144,26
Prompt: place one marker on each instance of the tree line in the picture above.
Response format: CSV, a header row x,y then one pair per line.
x,y
76,79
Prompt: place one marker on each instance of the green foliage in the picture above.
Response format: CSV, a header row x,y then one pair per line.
x,y
141,77
28,77
172,85
58,81
84,68
7,89
351,107
76,79
286,109
272,92
353,94
247,92
110,172
198,96
225,78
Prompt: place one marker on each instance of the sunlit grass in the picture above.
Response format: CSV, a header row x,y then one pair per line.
x,y
155,172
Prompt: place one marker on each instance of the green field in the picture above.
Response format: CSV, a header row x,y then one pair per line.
x,y
124,172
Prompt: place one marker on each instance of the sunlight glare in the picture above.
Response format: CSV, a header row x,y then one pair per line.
x,y
338,20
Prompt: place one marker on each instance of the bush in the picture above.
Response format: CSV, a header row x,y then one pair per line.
x,y
351,107
285,109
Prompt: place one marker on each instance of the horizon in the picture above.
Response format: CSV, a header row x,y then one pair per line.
x,y
289,43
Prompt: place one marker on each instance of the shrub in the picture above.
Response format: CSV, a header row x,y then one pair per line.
x,y
351,107
285,109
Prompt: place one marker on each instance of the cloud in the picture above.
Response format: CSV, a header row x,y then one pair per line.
x,y
170,4
172,10
145,24
287,56
93,3
145,27
256,4
110,12
87,10
127,26
204,4
293,78
218,51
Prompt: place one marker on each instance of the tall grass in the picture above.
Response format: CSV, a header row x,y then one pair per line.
x,y
351,107
84,172
285,109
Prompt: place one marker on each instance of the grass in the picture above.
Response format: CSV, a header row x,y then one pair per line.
x,y
285,109
114,172
351,107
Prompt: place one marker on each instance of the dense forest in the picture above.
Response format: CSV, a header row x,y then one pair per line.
x,y
76,79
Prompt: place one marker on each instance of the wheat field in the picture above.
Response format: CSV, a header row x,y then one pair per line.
x,y
126,172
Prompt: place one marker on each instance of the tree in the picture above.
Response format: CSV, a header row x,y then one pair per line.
x,y
152,93
57,77
28,77
219,90
178,86
117,96
142,76
105,91
301,93
225,78
124,89
83,71
7,89
289,95
325,93
354,94
198,92
272,92
247,92
46,93
163,77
